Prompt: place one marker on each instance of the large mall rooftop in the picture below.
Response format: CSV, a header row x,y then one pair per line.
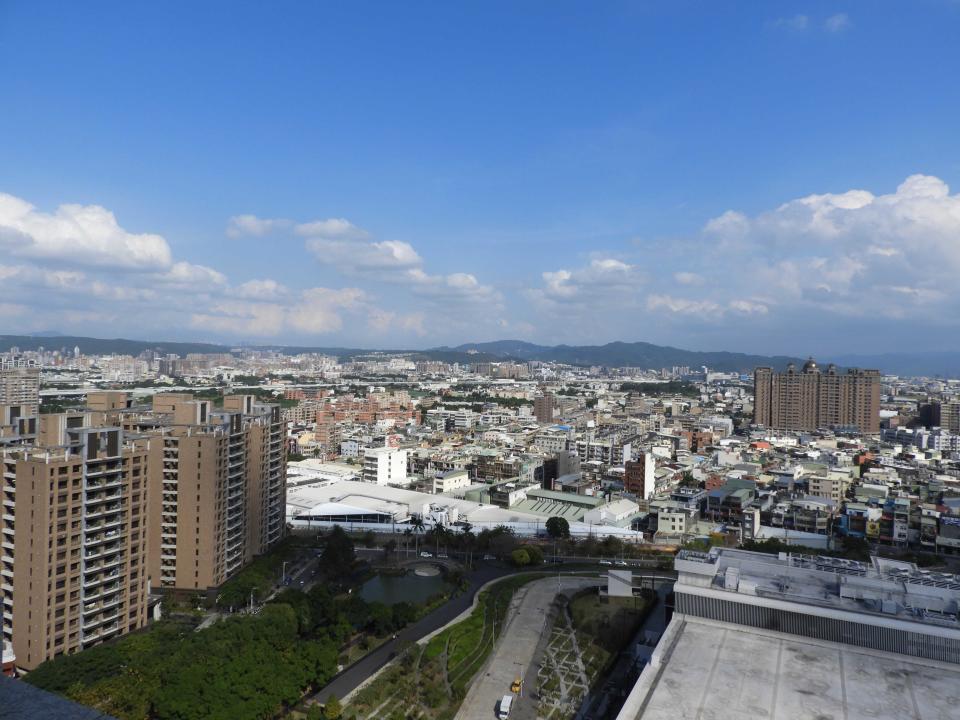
x,y
719,671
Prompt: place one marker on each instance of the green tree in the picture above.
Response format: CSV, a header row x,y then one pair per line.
x,y
687,480
332,708
381,619
338,553
520,557
404,613
534,553
558,527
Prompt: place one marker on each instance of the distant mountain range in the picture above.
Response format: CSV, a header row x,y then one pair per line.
x,y
100,346
623,354
615,354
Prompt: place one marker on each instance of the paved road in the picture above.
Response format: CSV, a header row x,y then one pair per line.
x,y
351,677
516,645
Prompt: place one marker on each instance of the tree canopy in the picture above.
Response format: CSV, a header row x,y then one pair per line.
x,y
558,527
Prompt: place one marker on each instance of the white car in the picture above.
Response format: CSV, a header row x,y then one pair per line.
x,y
426,554
606,562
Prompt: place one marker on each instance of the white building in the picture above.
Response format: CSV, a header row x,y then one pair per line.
x,y
350,447
385,466
612,513
450,481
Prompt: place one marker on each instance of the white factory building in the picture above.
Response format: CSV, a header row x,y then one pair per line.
x,y
382,508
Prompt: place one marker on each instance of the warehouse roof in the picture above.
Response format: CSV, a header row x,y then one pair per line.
x,y
705,668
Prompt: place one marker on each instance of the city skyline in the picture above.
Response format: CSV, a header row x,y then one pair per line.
x,y
341,177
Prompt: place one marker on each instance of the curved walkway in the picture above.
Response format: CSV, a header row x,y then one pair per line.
x,y
353,676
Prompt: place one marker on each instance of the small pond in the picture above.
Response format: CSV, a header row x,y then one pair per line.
x,y
414,586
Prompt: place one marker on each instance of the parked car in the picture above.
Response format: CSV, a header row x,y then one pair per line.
x,y
488,556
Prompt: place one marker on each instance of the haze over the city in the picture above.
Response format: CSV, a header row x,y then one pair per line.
x,y
771,178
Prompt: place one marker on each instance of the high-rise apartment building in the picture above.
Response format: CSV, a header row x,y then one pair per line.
x,y
217,484
20,386
639,476
99,505
948,415
811,399
73,557
543,406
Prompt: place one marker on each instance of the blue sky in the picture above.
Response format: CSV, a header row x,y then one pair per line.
x,y
760,176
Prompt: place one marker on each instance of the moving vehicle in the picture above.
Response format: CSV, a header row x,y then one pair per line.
x,y
426,554
606,562
503,711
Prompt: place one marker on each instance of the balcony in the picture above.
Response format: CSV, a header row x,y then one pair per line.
x,y
99,567
107,510
103,592
105,537
104,498
100,579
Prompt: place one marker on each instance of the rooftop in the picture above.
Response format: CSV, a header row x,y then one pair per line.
x,y
21,701
709,669
886,588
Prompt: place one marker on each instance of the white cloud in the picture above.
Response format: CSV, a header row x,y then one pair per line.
x,y
351,249
315,311
353,256
253,226
260,290
602,277
837,23
84,235
688,278
318,310
385,321
331,229
853,253
748,307
683,306
452,287
238,318
188,275
797,23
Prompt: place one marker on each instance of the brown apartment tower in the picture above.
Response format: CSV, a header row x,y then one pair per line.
x,y
810,399
99,505
20,388
73,560
543,407
217,486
